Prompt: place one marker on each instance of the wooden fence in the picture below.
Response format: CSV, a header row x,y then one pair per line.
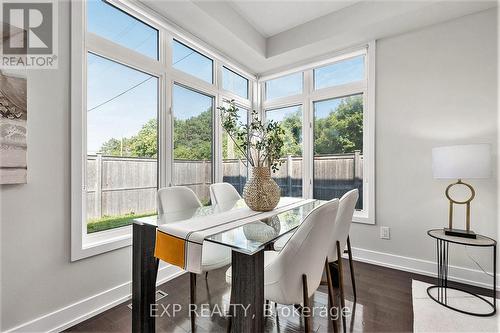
x,y
123,185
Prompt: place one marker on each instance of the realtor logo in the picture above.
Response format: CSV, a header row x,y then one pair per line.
x,y
28,38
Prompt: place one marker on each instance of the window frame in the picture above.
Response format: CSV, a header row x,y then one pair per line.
x,y
229,92
311,95
304,147
283,99
180,72
84,245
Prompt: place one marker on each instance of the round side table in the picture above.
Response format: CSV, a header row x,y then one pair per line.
x,y
442,243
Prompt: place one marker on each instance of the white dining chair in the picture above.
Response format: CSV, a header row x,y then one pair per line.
x,y
340,240
346,211
292,275
180,198
341,234
223,192
176,198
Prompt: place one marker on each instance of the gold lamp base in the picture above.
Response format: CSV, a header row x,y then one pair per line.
x,y
467,233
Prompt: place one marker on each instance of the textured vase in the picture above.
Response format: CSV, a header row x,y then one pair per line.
x,y
261,193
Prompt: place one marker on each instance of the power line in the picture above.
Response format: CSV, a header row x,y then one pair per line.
x,y
120,94
133,87
184,57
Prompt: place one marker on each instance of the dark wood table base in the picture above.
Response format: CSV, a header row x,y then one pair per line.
x,y
144,272
247,292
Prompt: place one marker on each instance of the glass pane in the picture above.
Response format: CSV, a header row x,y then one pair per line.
x,y
193,138
234,83
341,72
234,169
191,62
289,176
338,147
111,23
284,86
254,236
122,108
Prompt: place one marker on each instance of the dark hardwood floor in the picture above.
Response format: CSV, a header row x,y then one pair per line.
x,y
384,304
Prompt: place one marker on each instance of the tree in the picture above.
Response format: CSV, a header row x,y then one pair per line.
x,y
144,144
292,125
193,137
116,147
342,131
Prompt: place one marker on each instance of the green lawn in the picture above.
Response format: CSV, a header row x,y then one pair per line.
x,y
110,222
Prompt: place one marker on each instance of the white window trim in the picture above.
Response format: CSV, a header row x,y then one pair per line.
x,y
307,99
82,244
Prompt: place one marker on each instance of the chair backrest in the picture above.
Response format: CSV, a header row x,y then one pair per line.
x,y
176,198
304,253
343,224
223,192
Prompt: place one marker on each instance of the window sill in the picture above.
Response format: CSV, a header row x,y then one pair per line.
x,y
101,242
363,217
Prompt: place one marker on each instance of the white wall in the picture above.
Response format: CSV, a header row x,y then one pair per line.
x,y
434,87
37,276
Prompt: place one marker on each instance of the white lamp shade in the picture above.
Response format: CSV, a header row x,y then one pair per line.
x,y
462,161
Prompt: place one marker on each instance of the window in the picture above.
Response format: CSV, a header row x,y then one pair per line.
x,y
122,108
289,176
328,118
338,147
234,166
339,73
140,120
284,86
193,140
234,83
111,23
192,62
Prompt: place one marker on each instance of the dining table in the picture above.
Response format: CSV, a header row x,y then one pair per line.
x,y
249,234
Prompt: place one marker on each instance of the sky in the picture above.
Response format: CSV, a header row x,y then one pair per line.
x,y
187,103
120,100
282,113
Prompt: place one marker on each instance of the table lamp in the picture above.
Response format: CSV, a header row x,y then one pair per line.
x,y
459,162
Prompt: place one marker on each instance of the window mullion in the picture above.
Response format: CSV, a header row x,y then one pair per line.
x,y
123,55
167,162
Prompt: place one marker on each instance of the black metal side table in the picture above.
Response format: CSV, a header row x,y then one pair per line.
x,y
442,243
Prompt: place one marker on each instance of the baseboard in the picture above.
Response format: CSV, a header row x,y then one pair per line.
x,y
77,312
424,267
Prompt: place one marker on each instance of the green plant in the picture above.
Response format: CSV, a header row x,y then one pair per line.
x,y
260,143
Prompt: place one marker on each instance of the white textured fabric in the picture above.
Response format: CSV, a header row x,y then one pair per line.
x,y
280,243
343,223
214,256
223,192
176,198
304,253
429,316
195,230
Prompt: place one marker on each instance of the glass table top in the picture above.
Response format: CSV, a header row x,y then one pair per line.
x,y
177,216
251,237
254,236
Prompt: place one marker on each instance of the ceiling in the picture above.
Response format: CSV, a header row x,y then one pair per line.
x,y
272,17
267,36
